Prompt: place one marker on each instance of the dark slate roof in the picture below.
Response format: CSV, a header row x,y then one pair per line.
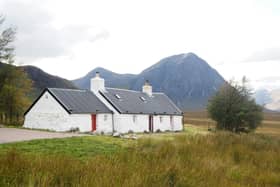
x,y
130,102
79,101
75,101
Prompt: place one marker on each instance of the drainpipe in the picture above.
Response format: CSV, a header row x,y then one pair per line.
x,y
113,125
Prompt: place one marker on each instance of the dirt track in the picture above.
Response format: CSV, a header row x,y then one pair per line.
x,y
15,135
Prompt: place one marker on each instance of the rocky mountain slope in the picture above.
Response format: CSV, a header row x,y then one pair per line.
x,y
186,78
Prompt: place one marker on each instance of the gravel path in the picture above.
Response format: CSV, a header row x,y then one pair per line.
x,y
15,135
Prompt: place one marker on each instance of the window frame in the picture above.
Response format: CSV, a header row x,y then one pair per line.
x,y
134,118
160,119
105,117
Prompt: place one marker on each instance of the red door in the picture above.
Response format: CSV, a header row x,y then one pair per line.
x,y
151,124
93,122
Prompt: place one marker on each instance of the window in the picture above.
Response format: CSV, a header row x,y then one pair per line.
x,y
105,117
134,118
46,96
117,96
160,119
143,98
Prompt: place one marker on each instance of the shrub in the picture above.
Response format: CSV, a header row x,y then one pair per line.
x,y
158,131
74,129
234,109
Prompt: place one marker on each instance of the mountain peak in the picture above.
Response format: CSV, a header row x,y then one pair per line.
x,y
189,55
186,78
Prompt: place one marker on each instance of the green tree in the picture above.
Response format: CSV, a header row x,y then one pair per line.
x,y
6,38
233,108
14,83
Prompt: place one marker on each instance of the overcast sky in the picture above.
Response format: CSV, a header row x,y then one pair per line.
x,y
69,38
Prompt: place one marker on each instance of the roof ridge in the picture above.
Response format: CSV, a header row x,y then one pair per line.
x,y
68,89
133,90
124,89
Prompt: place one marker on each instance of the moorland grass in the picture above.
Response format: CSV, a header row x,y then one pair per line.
x,y
269,126
216,159
79,147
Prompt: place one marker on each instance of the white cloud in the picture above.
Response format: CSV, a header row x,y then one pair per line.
x,y
38,38
268,54
128,36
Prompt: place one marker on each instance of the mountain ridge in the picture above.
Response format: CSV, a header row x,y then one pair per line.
x,y
41,79
186,78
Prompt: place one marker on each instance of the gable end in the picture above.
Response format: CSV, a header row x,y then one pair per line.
x,y
39,97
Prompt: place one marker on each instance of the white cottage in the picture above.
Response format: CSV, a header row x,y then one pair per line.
x,y
104,110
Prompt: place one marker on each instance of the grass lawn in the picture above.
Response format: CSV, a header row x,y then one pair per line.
x,y
80,147
88,146
194,157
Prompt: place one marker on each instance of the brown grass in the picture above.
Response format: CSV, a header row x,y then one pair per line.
x,y
217,159
269,126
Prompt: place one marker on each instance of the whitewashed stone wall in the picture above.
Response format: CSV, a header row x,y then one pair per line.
x,y
104,123
178,123
162,123
81,121
124,123
47,114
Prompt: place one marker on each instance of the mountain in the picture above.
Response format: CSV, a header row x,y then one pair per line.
x,y
42,79
262,97
111,79
186,78
270,99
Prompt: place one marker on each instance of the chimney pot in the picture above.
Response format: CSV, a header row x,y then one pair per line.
x,y
147,82
147,88
97,74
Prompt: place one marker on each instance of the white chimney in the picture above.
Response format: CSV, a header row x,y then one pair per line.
x,y
97,83
147,88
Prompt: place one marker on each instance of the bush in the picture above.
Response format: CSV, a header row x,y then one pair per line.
x,y
74,129
234,109
158,131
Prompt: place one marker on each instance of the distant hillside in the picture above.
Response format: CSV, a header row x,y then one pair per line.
x,y
42,79
112,79
186,78
269,99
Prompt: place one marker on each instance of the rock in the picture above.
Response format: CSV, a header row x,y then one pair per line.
x,y
116,134
126,136
134,137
